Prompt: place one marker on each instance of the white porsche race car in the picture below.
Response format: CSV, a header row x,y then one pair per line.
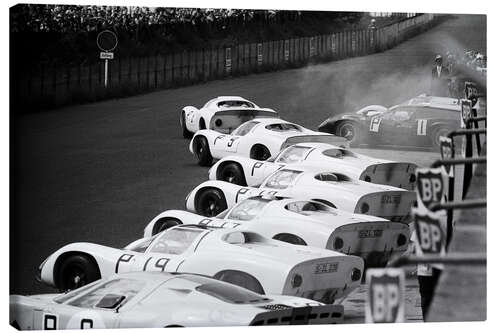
x,y
157,300
241,257
259,139
221,114
304,222
245,171
316,183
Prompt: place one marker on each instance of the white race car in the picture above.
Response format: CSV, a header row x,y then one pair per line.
x,y
259,139
222,114
245,171
316,183
304,222
153,299
245,258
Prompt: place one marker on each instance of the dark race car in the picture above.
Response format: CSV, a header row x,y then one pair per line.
x,y
418,122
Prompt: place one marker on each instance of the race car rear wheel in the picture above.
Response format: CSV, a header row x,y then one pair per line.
x,y
232,173
438,132
77,270
348,130
241,279
202,151
185,133
289,238
260,152
210,202
164,224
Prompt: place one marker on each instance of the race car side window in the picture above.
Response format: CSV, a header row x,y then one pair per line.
x,y
284,127
175,241
293,154
243,129
110,294
282,179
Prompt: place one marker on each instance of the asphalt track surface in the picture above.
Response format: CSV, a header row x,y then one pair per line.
x,y
100,172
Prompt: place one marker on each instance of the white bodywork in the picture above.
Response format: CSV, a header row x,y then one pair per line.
x,y
161,300
209,251
357,166
316,224
231,110
320,184
263,131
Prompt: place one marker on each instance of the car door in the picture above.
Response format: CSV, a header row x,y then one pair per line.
x,y
396,127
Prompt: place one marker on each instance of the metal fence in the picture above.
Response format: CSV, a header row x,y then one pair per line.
x,y
54,86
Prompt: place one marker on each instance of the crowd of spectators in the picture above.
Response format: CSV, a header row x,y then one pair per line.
x,y
73,18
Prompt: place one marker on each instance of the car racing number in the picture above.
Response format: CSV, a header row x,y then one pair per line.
x,y
243,193
375,124
218,223
151,264
385,296
421,126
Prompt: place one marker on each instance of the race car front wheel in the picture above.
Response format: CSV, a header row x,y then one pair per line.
x,y
76,271
164,224
232,173
260,152
210,202
202,151
349,131
440,131
185,133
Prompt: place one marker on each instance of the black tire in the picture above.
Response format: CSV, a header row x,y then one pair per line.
x,y
185,133
348,130
260,152
202,151
289,238
240,279
76,271
164,224
232,173
210,202
440,131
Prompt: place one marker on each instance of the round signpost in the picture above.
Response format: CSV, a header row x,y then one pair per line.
x,y
106,42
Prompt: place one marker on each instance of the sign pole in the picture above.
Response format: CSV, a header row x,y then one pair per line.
x,y
105,73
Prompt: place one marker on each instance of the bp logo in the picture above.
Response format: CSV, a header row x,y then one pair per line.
x,y
430,186
431,236
385,303
447,152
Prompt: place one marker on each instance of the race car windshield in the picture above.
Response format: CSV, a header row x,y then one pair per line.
x,y
293,154
248,209
225,292
245,128
175,241
282,179
284,127
110,294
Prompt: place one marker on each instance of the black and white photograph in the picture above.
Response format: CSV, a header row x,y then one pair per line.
x,y
235,165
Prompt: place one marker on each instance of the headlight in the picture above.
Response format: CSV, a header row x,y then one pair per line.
x,y
365,208
355,274
339,243
401,240
296,281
